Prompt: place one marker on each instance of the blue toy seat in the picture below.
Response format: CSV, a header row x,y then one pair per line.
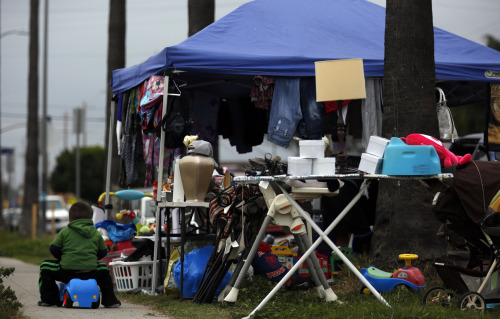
x,y
377,273
85,293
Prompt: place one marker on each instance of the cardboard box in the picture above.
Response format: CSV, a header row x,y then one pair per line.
x,y
340,80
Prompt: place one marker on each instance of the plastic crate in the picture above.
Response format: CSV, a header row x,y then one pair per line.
x,y
132,275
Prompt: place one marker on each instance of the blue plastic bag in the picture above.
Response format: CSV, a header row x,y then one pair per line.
x,y
195,263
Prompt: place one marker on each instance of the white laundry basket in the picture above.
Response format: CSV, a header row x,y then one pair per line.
x,y
132,275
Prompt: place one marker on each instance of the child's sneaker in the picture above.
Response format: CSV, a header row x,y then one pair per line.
x,y
114,305
45,304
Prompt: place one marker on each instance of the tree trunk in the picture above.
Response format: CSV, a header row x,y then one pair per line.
x,y
404,221
200,14
116,60
31,156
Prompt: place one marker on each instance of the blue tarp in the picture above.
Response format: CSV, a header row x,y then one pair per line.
x,y
286,37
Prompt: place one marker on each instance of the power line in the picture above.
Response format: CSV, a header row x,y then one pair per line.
x,y
57,117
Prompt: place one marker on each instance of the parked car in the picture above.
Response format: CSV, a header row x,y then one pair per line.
x,y
11,218
473,144
57,205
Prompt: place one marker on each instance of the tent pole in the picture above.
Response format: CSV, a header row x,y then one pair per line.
x,y
160,186
110,151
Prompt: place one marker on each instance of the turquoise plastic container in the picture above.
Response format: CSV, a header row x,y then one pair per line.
x,y
402,159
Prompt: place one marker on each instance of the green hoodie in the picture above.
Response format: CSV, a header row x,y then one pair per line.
x,y
79,243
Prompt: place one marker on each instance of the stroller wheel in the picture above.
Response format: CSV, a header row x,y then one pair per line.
x,y
437,296
472,300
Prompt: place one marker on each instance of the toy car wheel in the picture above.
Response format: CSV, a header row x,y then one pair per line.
x,y
96,304
402,287
67,302
365,291
437,296
472,300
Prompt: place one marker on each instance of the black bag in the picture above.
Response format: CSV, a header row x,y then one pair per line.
x,y
177,122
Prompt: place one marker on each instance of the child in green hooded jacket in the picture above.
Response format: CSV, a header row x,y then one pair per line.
x,y
77,248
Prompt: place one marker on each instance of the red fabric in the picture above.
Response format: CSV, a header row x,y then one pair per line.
x,y
264,247
121,245
332,106
446,157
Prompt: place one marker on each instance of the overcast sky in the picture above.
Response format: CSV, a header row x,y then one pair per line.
x,y
77,53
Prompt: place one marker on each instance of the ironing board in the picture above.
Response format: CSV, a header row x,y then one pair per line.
x,y
323,235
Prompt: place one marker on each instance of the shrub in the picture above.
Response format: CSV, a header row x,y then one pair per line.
x,y
9,306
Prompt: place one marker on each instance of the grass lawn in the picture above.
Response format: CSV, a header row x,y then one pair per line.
x,y
285,304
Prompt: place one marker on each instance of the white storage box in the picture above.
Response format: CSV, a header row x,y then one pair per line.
x,y
323,166
370,164
376,146
312,148
299,166
133,275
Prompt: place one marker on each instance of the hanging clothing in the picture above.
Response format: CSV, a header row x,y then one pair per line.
x,y
294,111
371,110
248,124
205,117
132,139
261,92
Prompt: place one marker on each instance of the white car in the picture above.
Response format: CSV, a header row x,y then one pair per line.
x,y
56,207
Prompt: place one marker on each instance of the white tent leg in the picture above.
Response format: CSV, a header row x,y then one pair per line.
x,y
110,152
158,193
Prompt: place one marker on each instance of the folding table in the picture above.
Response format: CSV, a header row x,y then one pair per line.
x,y
263,181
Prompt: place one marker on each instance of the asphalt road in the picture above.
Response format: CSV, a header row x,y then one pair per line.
x,y
24,281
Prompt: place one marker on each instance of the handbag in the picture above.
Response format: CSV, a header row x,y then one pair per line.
x,y
447,129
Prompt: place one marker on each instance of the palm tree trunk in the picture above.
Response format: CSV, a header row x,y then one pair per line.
x,y
32,152
200,13
116,60
404,221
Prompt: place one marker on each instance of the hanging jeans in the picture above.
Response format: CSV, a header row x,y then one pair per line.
x,y
294,108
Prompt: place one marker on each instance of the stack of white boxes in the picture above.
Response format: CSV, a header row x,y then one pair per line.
x,y
371,161
312,160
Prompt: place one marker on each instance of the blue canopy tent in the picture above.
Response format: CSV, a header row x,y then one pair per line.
x,y
286,37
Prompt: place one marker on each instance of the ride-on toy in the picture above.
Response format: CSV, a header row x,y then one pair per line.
x,y
85,293
408,276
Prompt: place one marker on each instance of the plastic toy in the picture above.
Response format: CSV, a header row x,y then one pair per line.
x,y
446,157
83,292
408,276
126,213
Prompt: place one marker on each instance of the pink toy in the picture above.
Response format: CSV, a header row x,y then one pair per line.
x,y
446,157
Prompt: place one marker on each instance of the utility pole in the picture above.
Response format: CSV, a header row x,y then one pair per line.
x,y
43,205
65,131
78,116
84,130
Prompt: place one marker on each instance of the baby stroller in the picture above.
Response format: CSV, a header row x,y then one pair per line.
x,y
465,208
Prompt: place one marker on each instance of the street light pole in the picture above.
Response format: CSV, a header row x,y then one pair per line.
x,y
44,114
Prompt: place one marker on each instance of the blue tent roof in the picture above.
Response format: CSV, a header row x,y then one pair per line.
x,y
286,37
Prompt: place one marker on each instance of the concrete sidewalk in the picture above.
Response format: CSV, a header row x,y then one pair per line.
x,y
24,281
